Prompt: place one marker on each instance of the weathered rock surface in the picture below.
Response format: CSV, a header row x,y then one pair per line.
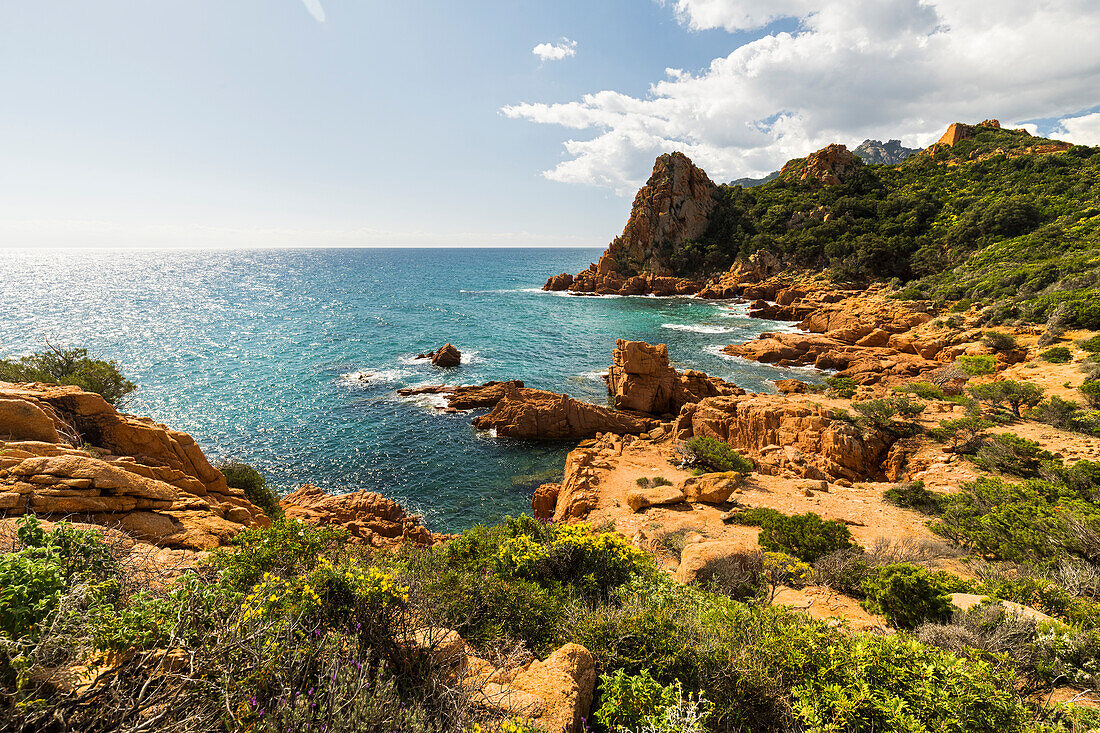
x,y
104,467
369,518
534,414
711,488
958,131
780,435
446,356
672,207
641,380
645,497
829,166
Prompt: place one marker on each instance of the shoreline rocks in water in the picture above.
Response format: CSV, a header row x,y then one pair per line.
x,y
446,356
641,380
535,414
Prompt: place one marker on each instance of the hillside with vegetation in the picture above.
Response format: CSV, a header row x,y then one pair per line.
x,y
999,217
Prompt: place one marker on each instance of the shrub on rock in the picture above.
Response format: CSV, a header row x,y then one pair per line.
x,y
716,455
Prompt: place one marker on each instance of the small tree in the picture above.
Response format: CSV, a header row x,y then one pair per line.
x,y
906,595
963,434
244,477
69,366
1015,394
882,414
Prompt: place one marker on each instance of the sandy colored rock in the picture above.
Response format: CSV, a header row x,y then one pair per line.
x,y
23,420
545,500
711,488
565,682
697,558
780,435
965,601
829,166
640,379
642,498
532,414
141,476
368,517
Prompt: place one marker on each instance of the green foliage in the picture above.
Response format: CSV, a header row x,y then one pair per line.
x,y
647,482
1091,391
1091,344
805,536
963,433
630,702
34,577
844,387
907,595
1065,415
287,548
139,622
999,342
1016,395
717,455
977,365
69,366
914,495
893,415
1057,355
924,390
244,477
1011,454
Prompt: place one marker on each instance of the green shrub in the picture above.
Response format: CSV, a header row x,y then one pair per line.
x,y
1091,345
924,390
717,455
629,702
805,536
1016,395
288,548
69,366
963,433
1011,454
244,477
1057,355
140,622
893,415
907,595
1091,392
914,495
977,365
843,387
1000,342
661,481
755,516
1065,415
31,585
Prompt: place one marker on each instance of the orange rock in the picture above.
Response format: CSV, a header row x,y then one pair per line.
x,y
534,414
153,482
368,517
829,166
780,435
641,380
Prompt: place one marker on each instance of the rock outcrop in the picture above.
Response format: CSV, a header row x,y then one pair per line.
x,y
672,207
67,453
641,380
831,165
802,438
876,152
446,356
958,131
370,518
534,414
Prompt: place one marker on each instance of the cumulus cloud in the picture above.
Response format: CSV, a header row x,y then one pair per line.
x,y
853,69
555,51
315,9
1082,130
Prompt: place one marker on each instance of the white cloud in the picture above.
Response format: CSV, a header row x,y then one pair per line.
x,y
555,51
1082,130
853,69
315,9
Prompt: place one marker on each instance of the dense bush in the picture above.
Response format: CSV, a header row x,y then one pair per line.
x,y
914,495
964,434
69,366
1057,355
844,387
907,595
1065,415
716,455
1091,392
977,365
244,477
1016,395
893,415
1011,454
1000,342
805,536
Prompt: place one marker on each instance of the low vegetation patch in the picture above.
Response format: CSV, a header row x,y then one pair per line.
x,y
715,455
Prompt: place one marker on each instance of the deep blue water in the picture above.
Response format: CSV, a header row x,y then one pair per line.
x,y
256,353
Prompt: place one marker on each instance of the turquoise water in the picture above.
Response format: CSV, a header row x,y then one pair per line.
x,y
257,354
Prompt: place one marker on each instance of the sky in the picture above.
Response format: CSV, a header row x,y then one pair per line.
x,y
199,123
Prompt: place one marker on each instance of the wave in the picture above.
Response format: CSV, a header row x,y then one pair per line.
x,y
701,328
374,376
504,290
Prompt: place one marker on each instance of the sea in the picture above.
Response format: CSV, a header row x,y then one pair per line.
x,y
290,359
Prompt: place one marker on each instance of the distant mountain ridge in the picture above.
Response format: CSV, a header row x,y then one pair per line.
x,y
876,152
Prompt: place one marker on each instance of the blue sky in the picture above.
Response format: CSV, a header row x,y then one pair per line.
x,y
200,123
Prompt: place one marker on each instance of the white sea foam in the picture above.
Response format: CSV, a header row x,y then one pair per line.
x,y
374,376
716,350
700,328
